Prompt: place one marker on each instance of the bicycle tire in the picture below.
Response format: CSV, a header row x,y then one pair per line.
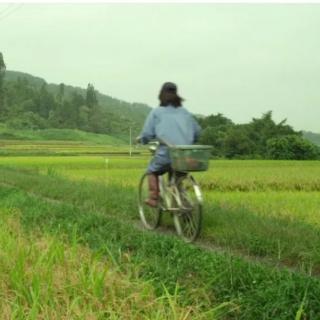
x,y
149,216
188,221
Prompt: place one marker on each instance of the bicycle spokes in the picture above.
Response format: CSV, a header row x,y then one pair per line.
x,y
188,221
181,197
150,217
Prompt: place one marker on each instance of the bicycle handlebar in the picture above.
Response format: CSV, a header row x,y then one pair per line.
x,y
161,141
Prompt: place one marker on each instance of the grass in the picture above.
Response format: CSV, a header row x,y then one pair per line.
x,y
256,223
217,285
264,211
43,277
224,175
61,148
48,135
280,226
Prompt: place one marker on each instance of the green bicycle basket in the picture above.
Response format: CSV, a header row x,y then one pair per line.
x,y
190,158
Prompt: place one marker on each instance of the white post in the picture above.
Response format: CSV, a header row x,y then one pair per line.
x,y
130,142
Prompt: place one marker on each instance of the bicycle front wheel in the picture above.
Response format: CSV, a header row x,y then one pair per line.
x,y
189,219
149,216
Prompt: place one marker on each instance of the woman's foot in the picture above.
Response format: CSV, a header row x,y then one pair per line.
x,y
153,181
151,203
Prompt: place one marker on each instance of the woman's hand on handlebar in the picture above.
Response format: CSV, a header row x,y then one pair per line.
x,y
137,140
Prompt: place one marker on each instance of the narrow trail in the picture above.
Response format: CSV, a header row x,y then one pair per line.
x,y
200,243
230,252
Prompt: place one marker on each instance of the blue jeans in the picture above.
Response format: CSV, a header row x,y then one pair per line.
x,y
159,165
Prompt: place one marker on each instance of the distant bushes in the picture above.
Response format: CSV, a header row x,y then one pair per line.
x,y
27,120
261,138
292,148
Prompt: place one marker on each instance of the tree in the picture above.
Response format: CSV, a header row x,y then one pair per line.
x,y
99,120
83,119
46,102
214,132
60,95
215,138
76,101
215,121
237,143
27,120
69,115
2,74
91,98
260,130
292,147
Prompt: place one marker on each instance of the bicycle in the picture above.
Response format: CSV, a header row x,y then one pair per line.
x,y
180,194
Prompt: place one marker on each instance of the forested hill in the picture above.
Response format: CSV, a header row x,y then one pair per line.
x,y
29,103
313,137
120,114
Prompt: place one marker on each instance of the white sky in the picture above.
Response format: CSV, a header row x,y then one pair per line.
x,y
237,59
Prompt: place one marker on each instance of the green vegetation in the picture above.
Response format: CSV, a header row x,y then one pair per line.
x,y
29,103
223,175
260,139
42,277
292,147
57,135
313,137
2,90
245,200
134,111
30,107
218,284
71,241
260,236
89,144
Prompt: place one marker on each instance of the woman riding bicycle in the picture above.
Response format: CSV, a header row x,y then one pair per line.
x,y
172,124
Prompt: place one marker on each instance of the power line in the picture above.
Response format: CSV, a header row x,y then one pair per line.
x,y
9,13
6,9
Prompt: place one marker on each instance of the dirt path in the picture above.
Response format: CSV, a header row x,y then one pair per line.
x,y
230,252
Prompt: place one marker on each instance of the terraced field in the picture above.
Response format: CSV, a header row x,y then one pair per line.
x,y
258,256
66,148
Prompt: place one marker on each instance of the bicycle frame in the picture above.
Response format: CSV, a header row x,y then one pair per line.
x,y
175,192
170,193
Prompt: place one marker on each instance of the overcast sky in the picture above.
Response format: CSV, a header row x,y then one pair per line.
x,y
237,59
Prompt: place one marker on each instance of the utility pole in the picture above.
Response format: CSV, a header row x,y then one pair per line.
x,y
2,74
130,142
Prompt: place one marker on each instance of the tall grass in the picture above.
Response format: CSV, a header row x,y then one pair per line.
x,y
43,277
237,175
263,224
264,209
205,279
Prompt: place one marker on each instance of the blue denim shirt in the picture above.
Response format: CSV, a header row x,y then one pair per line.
x,y
175,126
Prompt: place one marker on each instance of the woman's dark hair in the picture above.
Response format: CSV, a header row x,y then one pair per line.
x,y
168,95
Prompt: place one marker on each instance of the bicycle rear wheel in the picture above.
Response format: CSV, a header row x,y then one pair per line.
x,y
189,219
149,216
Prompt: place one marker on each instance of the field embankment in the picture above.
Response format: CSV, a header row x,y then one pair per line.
x,y
17,136
50,142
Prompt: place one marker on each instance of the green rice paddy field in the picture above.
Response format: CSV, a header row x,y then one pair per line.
x,y
258,256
